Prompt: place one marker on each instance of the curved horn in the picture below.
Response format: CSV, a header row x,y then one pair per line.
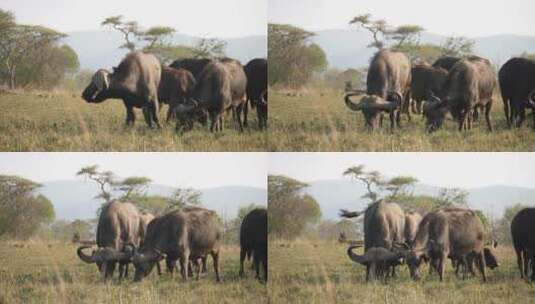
x,y
84,257
184,108
351,105
361,259
531,99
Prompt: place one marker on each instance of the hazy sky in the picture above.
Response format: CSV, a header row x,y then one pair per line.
x,y
465,170
197,170
229,18
452,17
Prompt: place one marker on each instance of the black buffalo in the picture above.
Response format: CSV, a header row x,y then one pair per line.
x,y
517,85
253,240
425,80
256,71
522,228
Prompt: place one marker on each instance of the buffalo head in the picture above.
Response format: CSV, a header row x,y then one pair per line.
x,y
105,258
435,111
144,261
100,83
372,105
378,259
490,258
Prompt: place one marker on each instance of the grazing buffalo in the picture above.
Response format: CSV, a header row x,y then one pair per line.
x,y
470,85
448,232
194,65
517,85
522,228
380,260
253,240
136,81
183,235
176,86
446,62
412,220
384,226
426,79
387,88
256,71
119,224
221,86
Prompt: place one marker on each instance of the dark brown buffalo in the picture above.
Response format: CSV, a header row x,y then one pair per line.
x,y
119,224
256,71
426,80
446,62
469,86
220,87
194,65
253,240
522,231
384,226
454,233
176,86
387,88
183,235
136,81
517,85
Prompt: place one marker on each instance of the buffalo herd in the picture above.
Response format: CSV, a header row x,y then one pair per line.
x,y
461,87
393,237
196,90
185,237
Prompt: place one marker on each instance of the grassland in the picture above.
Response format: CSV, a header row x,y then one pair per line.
x,y
321,272
67,123
52,273
319,121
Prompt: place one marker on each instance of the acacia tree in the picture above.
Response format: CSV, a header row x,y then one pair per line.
x,y
129,30
371,179
209,48
184,197
134,186
105,180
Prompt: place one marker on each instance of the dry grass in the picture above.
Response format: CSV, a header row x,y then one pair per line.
x,y
52,273
321,272
319,121
37,122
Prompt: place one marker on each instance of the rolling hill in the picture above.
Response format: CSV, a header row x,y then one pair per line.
x,y
73,199
100,49
346,48
333,195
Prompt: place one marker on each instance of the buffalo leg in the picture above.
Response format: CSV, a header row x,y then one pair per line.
x,y
506,111
215,258
520,261
130,115
488,107
480,261
158,268
155,111
440,264
245,113
184,265
237,117
203,259
242,259
392,120
147,115
521,113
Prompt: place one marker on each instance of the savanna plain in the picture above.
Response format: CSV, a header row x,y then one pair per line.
x,y
39,272
318,120
64,122
306,271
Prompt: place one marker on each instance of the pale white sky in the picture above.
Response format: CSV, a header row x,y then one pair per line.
x,y
206,18
196,170
451,17
464,170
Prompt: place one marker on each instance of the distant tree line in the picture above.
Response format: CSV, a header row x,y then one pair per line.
x,y
33,56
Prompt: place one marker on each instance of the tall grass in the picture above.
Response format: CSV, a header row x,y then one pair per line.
x,y
31,122
318,120
321,272
53,273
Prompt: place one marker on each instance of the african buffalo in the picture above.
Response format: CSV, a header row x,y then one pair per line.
x,y
183,235
221,86
412,220
380,260
253,240
384,225
426,79
517,85
448,232
256,71
446,62
470,85
136,81
522,228
194,65
119,224
176,86
387,88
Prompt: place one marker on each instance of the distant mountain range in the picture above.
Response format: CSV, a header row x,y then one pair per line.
x,y
100,49
333,195
73,199
346,48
